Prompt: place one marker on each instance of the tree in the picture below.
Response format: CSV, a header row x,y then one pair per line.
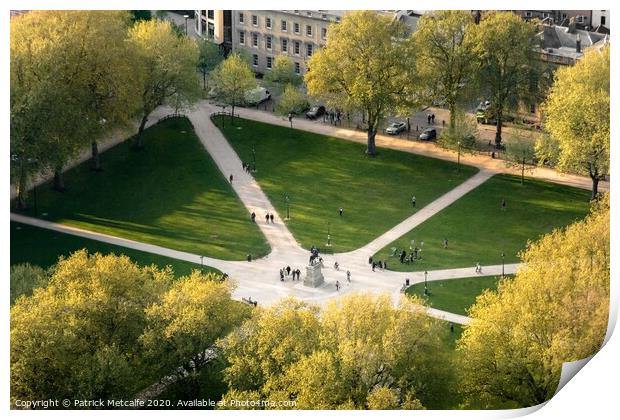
x,y
79,336
25,278
209,56
283,71
232,79
292,100
444,61
461,134
577,118
366,66
521,151
554,311
138,15
360,352
505,46
184,325
166,67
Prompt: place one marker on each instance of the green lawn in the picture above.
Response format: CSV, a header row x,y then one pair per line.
x,y
322,174
170,194
454,295
42,247
479,231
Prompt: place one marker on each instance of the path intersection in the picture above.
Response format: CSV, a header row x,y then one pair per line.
x,y
260,279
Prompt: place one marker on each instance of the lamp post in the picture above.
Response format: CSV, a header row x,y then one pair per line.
x,y
425,283
329,238
288,206
253,158
186,17
503,264
458,158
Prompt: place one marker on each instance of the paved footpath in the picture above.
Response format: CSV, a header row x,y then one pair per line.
x,y
259,279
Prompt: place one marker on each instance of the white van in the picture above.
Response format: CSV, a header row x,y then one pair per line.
x,y
257,96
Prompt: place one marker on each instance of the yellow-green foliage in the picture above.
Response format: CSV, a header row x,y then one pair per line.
x,y
554,311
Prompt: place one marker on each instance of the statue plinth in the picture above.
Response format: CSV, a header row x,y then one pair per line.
x,y
314,277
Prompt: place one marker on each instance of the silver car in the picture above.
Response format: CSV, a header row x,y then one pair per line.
x,y
396,128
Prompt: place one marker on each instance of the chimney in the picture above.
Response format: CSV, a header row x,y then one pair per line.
x,y
572,25
578,46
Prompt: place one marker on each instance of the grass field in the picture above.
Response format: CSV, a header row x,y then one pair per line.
x,y
454,295
42,247
478,230
170,194
322,174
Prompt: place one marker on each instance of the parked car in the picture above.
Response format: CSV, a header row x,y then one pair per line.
x,y
257,96
428,134
315,112
396,128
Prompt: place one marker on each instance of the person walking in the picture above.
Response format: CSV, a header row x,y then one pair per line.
x,y
337,285
253,216
288,270
230,178
374,264
428,118
340,210
413,201
348,276
271,217
445,243
336,266
267,218
433,118
290,118
503,204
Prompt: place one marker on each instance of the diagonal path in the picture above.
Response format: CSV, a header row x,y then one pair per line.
x,y
421,216
254,199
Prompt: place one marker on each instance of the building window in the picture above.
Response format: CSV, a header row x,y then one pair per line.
x,y
268,23
283,25
297,68
296,27
285,45
309,50
241,18
210,14
254,20
580,19
337,19
255,60
241,37
309,13
324,16
603,20
297,47
308,30
268,42
528,14
324,33
564,16
211,31
269,60
255,40
296,12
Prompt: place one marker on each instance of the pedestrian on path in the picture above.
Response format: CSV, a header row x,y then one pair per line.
x,y
433,118
290,118
370,260
337,285
271,217
413,201
478,268
230,178
281,275
253,217
336,266
374,264
428,118
267,218
348,276
288,270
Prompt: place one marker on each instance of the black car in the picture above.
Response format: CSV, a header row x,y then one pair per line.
x,y
315,112
428,134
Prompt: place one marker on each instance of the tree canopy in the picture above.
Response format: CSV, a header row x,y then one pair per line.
x,y
92,328
577,118
444,61
232,78
209,56
360,352
166,68
554,311
292,100
366,66
508,71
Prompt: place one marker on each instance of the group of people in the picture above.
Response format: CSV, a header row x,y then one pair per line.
x,y
430,118
380,264
287,271
246,167
333,116
268,217
416,254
